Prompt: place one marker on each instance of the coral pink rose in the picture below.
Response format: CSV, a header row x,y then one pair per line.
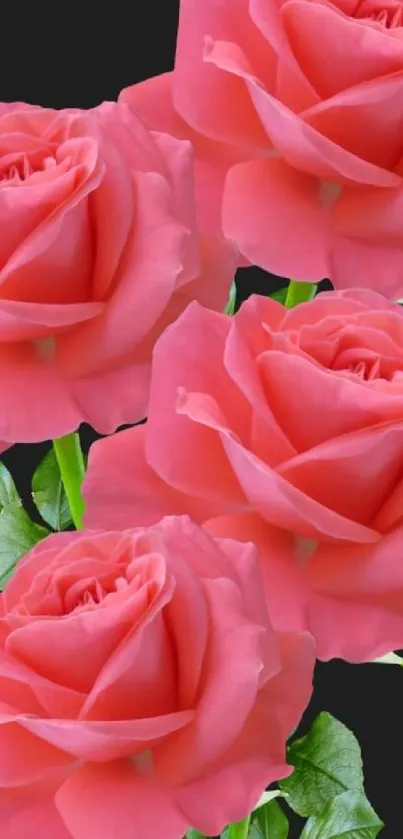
x,y
312,94
99,251
142,688
284,427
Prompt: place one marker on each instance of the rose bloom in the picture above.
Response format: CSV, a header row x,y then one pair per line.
x,y
99,251
142,687
311,95
283,427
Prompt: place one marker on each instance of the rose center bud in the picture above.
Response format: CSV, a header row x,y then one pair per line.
x,y
368,366
361,363
388,15
20,167
90,590
16,171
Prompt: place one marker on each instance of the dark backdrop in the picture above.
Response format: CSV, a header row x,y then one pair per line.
x,y
76,55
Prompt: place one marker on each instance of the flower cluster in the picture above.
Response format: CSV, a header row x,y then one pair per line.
x,y
154,662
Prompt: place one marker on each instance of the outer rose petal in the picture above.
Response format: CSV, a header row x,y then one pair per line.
x,y
22,759
230,689
100,801
278,218
28,379
167,432
121,489
351,630
257,757
380,264
209,100
281,557
152,102
364,585
127,390
370,214
30,811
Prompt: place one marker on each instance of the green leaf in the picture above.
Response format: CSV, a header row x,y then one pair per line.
x,y
389,658
194,834
230,307
280,294
327,762
49,495
349,815
17,535
299,292
267,796
8,489
269,822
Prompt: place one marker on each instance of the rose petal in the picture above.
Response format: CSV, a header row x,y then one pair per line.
x,y
320,37
29,811
299,143
215,481
218,718
257,757
246,340
380,264
364,466
266,199
100,801
90,740
152,102
213,102
365,119
273,497
28,379
121,490
355,610
281,557
131,312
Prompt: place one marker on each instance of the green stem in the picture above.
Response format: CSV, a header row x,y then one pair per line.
x,y
194,834
239,830
299,293
71,464
230,307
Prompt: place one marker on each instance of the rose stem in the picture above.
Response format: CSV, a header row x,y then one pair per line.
x,y
71,464
299,293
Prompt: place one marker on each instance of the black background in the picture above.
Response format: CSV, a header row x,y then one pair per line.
x,y
53,56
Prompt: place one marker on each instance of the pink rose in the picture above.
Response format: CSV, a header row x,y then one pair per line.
x,y
99,251
142,688
311,94
284,427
